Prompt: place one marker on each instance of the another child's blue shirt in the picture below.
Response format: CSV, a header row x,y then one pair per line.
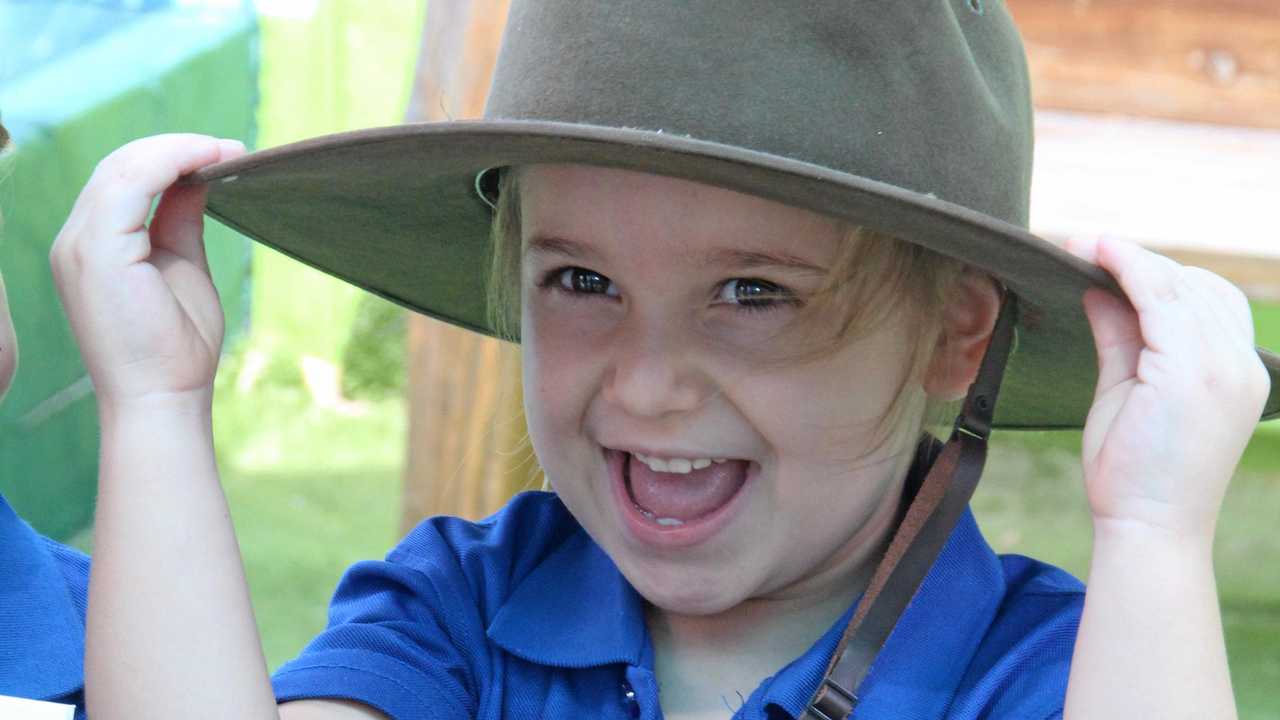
x,y
44,589
522,615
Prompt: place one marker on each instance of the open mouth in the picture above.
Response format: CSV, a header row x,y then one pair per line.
x,y
674,491
672,501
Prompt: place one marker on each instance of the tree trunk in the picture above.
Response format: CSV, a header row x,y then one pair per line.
x,y
467,449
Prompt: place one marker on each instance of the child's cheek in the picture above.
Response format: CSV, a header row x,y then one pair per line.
x,y
829,410
560,358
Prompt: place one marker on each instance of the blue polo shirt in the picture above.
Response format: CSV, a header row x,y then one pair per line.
x,y
44,588
522,615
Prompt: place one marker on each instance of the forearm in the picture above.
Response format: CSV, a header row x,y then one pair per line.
x,y
1150,642
170,630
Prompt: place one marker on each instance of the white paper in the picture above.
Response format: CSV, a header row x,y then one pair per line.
x,y
12,708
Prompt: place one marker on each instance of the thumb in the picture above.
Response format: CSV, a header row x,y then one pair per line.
x,y
178,225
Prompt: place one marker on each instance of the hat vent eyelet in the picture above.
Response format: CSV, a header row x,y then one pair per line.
x,y
487,187
975,6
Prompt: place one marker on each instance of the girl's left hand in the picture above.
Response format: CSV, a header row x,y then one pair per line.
x,y
1180,390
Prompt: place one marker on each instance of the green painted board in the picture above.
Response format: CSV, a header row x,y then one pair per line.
x,y
163,71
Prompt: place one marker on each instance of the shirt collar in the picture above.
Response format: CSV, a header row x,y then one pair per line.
x,y
924,660
574,610
41,633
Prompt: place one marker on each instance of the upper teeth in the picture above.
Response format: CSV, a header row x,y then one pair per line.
x,y
676,465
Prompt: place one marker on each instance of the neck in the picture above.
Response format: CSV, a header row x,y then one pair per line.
x,y
704,661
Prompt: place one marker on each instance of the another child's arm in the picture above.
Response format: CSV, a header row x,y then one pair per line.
x,y
170,630
1180,390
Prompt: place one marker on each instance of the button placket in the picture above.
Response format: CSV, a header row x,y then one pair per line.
x,y
629,702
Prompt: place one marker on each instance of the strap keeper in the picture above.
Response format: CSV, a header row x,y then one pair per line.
x,y
976,425
971,427
833,702
979,407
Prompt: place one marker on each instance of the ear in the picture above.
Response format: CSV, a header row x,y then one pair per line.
x,y
967,321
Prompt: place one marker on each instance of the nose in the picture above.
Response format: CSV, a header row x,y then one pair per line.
x,y
652,371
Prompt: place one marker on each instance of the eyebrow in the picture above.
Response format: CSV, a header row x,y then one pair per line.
x,y
545,244
749,259
732,257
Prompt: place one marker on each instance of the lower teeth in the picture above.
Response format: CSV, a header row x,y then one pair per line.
x,y
666,521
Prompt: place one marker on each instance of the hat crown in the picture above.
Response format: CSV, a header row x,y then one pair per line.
x,y
928,95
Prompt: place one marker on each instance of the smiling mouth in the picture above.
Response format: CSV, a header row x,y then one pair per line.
x,y
684,492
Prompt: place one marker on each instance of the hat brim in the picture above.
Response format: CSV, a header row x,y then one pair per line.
x,y
394,210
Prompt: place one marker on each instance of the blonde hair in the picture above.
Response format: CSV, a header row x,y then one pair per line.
x,y
874,277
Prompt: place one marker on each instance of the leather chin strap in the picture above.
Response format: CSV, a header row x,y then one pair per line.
x,y
932,515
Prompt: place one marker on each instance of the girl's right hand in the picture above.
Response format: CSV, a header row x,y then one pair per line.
x,y
140,299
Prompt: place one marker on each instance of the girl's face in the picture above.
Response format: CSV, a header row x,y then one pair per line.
x,y
708,470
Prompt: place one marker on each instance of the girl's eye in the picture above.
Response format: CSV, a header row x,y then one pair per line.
x,y
583,281
754,294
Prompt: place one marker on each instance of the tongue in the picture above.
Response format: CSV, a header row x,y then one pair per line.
x,y
688,496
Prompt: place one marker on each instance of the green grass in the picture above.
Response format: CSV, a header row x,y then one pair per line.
x,y
1031,502
311,491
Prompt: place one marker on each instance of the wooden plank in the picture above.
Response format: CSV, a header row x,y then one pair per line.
x,y
466,438
1205,195
1258,276
459,48
1215,61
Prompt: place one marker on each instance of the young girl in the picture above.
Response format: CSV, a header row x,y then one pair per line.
x,y
713,234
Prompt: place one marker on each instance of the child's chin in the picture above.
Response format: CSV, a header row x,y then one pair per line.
x,y
688,594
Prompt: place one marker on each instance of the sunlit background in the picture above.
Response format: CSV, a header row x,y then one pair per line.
x,y
311,410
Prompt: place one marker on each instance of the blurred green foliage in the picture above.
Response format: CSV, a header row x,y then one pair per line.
x,y
373,361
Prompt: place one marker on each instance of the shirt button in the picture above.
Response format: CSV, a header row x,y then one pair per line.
x,y
629,700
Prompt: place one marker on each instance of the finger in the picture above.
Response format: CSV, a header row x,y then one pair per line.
x,y
1231,366
230,148
1230,302
127,182
178,225
1084,247
1152,283
1117,338
1221,328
